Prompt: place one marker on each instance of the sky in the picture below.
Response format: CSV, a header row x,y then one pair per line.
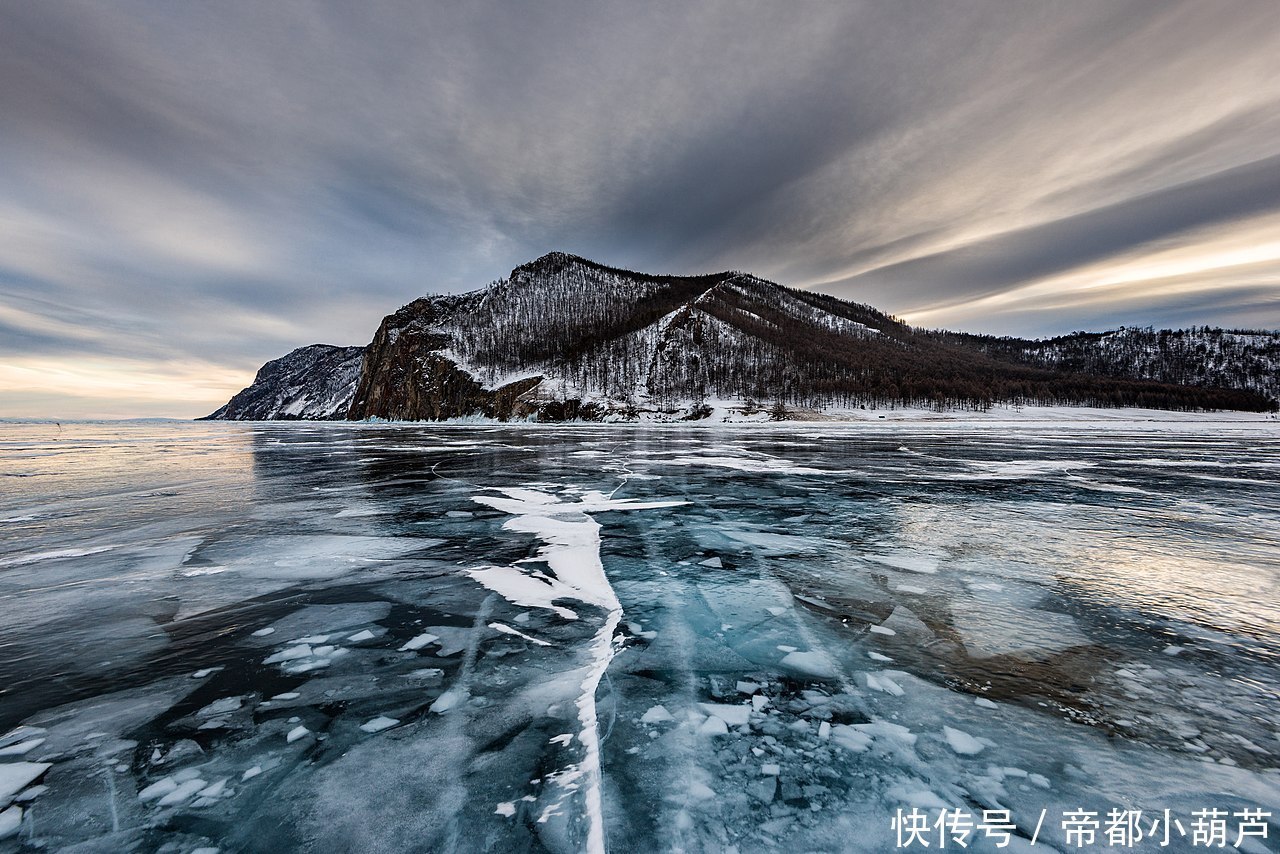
x,y
190,189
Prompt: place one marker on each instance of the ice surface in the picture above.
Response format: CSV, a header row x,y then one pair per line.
x,y
1010,621
56,554
908,562
591,683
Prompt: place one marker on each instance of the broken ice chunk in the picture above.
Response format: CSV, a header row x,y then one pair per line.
x,y
882,630
776,610
214,789
984,703
158,789
713,726
881,682
361,636
250,773
289,654
297,733
713,562
200,674
424,673
747,687
262,633
182,792
378,724
34,792
731,715
22,747
850,738
885,729
16,776
419,642
875,656
448,700
771,769
962,742
656,715
507,808
10,821
813,663
917,796
22,733
701,791
908,562
220,707
759,701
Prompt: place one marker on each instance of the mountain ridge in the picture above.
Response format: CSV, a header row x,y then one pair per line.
x,y
566,337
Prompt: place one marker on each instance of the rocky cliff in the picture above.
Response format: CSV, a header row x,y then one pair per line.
x,y
312,383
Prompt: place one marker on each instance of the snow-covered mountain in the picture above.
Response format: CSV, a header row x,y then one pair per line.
x,y
312,383
564,337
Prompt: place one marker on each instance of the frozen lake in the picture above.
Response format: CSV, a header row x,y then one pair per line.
x,y
336,637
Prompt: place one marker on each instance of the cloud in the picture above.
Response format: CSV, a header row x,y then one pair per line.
x,y
213,184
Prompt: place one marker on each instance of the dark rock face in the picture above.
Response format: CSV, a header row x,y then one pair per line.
x,y
312,383
565,338
406,378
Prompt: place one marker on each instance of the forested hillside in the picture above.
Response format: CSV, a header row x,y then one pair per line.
x,y
566,337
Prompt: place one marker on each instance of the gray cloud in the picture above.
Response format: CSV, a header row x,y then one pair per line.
x,y
212,184
1008,259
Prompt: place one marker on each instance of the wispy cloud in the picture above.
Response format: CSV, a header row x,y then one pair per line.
x,y
212,184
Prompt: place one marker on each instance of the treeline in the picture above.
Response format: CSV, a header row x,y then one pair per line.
x,y
750,340
1201,356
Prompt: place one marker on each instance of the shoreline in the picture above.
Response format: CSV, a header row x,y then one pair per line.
x,y
725,416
